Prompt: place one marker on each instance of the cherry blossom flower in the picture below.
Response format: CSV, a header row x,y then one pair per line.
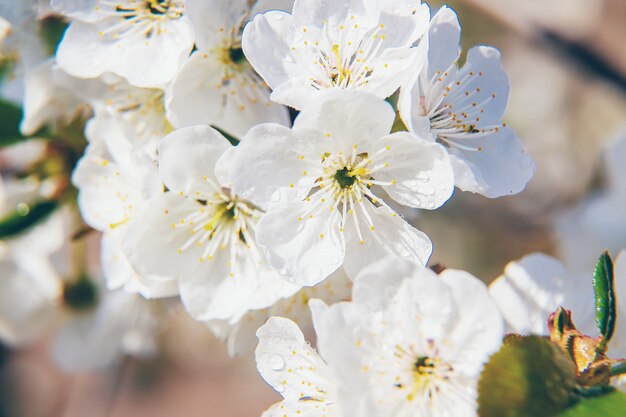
x,y
410,343
317,182
357,45
142,41
462,109
115,182
597,222
217,85
202,233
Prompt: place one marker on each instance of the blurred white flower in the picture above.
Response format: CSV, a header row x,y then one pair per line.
x,y
462,109
115,183
598,222
143,41
359,45
47,99
532,288
411,343
29,282
202,233
316,182
139,112
216,85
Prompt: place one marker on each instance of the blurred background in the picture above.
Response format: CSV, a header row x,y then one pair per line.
x,y
567,63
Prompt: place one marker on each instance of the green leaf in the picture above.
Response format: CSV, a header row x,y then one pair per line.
x,y
529,376
25,217
603,287
609,405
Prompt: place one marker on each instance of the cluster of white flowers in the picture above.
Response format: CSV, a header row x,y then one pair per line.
x,y
248,158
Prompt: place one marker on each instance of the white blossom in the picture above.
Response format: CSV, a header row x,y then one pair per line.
x,y
142,41
217,85
357,45
317,181
462,109
598,221
115,182
203,234
410,343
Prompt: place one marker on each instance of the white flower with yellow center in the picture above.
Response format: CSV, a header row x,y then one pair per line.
x,y
216,85
462,109
203,234
360,45
320,183
144,41
412,343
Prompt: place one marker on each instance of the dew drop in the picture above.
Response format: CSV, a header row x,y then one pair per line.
x,y
280,388
277,363
22,209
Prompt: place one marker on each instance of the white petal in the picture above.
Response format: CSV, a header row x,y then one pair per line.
x,y
499,166
377,284
482,81
26,308
348,116
478,332
529,291
213,19
391,235
187,158
106,194
405,21
212,293
289,364
266,42
317,13
143,62
444,37
151,243
420,171
271,159
199,95
118,272
393,69
306,249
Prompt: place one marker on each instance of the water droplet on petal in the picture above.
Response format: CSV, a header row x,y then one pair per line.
x,y
277,363
280,388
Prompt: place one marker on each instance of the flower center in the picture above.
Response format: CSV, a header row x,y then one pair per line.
x,y
346,60
236,55
145,18
221,222
345,177
427,372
